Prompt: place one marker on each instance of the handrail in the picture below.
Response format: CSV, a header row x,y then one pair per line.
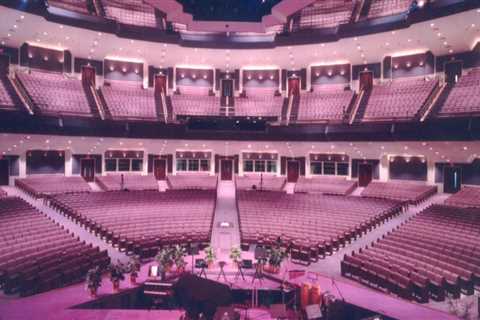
x,y
357,105
98,102
22,94
164,107
289,108
433,101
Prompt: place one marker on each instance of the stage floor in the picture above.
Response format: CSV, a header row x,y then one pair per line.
x,y
56,304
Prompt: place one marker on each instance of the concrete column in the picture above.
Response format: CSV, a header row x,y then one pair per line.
x,y
68,163
22,165
384,165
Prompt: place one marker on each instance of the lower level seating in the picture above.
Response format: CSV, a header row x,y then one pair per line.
x,y
467,197
326,185
45,185
36,254
410,192
261,182
141,221
432,255
311,225
192,181
130,182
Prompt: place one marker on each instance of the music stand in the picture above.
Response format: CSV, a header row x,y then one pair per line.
x,y
260,256
239,271
201,264
193,250
222,264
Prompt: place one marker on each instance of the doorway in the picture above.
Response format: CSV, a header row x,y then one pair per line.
x,y
453,71
365,173
160,169
4,172
226,169
452,179
88,169
293,171
366,80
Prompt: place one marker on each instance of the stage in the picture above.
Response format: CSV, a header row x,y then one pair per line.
x,y
57,304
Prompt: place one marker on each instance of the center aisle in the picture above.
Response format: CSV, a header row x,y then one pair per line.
x,y
224,238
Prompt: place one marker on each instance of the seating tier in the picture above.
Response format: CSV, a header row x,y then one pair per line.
x,y
46,185
409,192
326,185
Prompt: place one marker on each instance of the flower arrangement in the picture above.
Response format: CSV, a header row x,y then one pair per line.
x,y
236,255
178,254
133,268
210,256
117,274
275,258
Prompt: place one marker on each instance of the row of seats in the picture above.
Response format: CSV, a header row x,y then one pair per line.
x,y
54,93
46,185
129,101
324,14
141,221
256,105
325,105
79,6
132,12
192,182
113,182
7,101
409,192
464,97
195,105
36,254
432,255
325,185
467,197
261,182
312,226
382,8
398,99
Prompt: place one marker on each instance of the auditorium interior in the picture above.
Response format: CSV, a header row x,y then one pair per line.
x,y
240,159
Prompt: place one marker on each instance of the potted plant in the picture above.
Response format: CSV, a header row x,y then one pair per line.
x,y
93,281
210,256
165,260
117,272
275,259
236,255
178,255
134,268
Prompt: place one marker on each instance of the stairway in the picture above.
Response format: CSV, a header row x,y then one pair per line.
x,y
224,238
169,105
284,110
362,106
295,108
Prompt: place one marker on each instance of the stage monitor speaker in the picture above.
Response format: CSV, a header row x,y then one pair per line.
x,y
260,253
200,263
226,313
278,311
313,312
247,264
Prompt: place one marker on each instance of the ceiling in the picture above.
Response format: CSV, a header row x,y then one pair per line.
x,y
454,33
444,151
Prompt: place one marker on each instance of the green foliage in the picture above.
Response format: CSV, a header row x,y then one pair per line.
x,y
210,255
117,271
93,279
235,254
276,256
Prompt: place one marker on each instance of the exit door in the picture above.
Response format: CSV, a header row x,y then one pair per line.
x,y
4,172
88,169
226,169
365,173
160,169
452,179
293,171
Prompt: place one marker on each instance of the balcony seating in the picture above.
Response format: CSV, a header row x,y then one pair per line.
x,y
324,14
55,94
409,192
399,99
464,98
46,185
6,99
37,255
382,8
312,225
436,253
141,221
327,104
260,102
325,185
192,181
467,197
130,101
79,6
195,105
261,182
130,182
133,12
